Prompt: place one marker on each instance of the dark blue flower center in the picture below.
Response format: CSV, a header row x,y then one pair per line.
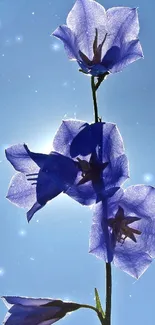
x,y
120,227
91,171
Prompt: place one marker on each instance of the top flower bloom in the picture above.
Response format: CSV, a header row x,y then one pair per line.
x,y
101,41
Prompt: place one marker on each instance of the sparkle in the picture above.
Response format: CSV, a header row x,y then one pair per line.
x,y
19,38
3,54
148,177
65,84
2,271
33,12
36,91
22,233
32,258
29,76
55,47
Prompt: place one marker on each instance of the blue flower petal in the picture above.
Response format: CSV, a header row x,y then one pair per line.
x,y
23,160
122,46
58,175
123,25
25,301
69,39
67,131
21,192
85,17
131,261
36,207
117,59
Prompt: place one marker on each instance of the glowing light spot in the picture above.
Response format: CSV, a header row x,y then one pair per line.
x,y
19,38
29,76
55,47
2,271
148,177
22,233
33,12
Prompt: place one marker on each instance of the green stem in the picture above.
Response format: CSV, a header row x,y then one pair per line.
x,y
93,87
96,310
108,293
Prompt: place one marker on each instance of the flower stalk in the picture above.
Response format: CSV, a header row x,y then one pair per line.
x,y
108,294
93,87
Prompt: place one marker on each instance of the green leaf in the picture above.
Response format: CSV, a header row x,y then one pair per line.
x,y
98,303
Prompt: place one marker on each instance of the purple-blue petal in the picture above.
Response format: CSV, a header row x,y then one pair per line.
x,y
67,131
19,156
36,207
131,261
117,59
25,301
21,192
123,26
58,175
85,17
140,199
66,35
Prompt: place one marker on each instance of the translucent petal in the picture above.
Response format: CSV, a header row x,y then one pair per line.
x,y
128,53
85,17
65,135
23,160
131,261
69,39
21,192
123,25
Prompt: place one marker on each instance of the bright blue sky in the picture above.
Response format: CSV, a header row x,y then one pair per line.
x,y
38,88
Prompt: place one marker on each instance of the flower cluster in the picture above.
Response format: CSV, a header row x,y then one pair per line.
x,y
88,161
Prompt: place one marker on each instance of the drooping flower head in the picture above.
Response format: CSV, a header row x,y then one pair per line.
x,y
26,311
123,229
101,41
88,164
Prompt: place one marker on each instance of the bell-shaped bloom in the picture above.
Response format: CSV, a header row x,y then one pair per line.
x,y
40,177
26,311
123,229
88,164
98,152
101,41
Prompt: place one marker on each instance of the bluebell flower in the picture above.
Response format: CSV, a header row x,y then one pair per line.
x,y
88,163
26,311
40,177
123,229
101,41
98,151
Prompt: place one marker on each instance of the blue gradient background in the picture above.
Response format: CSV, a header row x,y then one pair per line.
x,y
38,88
